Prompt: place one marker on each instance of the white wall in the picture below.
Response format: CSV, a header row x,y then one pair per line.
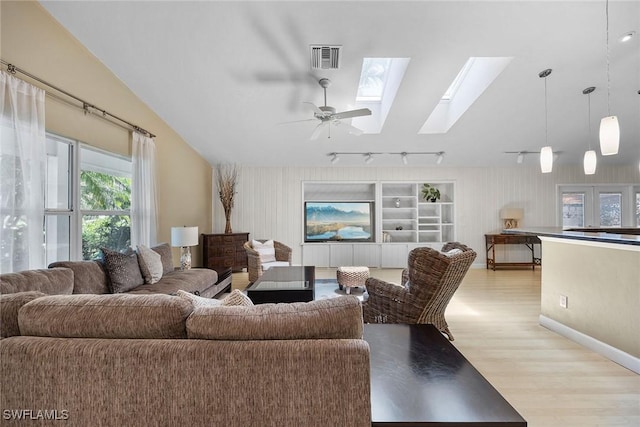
x,y
269,201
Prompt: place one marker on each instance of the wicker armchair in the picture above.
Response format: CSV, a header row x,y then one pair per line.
x,y
255,269
429,282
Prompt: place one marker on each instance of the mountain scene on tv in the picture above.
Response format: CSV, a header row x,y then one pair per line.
x,y
338,221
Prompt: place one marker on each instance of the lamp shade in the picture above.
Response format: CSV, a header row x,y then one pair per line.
x,y
546,159
609,135
590,161
184,236
511,213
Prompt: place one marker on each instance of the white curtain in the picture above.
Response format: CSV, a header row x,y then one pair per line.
x,y
143,192
22,161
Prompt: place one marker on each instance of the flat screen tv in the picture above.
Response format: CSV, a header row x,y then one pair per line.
x,y
338,221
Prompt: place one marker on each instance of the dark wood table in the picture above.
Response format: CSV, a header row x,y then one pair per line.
x,y
493,239
284,284
418,378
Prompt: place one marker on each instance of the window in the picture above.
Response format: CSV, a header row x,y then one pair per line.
x,y
87,201
599,206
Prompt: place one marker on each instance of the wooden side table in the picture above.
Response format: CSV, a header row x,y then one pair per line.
x,y
225,250
491,240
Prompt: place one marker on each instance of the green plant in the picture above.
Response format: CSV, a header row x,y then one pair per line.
x,y
430,192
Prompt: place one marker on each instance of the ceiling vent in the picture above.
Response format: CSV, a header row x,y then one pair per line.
x,y
325,57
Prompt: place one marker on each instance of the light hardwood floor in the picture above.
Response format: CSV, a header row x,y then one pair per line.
x,y
549,379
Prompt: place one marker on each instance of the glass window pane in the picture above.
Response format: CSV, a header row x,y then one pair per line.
x,y
610,209
109,231
57,193
57,232
105,181
637,209
572,210
373,78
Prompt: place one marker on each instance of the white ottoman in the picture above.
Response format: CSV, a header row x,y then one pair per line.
x,y
352,277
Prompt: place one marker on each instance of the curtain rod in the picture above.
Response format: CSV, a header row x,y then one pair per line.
x,y
85,105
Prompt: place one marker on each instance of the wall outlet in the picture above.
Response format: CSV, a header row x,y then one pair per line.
x,y
564,301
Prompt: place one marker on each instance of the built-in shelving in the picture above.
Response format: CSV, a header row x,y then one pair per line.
x,y
403,221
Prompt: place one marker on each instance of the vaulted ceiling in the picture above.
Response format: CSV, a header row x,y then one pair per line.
x,y
226,75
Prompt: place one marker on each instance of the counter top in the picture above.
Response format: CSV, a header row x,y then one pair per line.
x,y
609,236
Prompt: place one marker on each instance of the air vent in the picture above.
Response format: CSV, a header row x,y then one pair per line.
x,y
325,57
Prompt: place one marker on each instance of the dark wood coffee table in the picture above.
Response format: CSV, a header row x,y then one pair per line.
x,y
284,284
418,378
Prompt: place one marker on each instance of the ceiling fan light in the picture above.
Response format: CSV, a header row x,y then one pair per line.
x,y
609,135
546,159
590,161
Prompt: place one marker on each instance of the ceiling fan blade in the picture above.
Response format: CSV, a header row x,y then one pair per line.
x,y
315,108
352,113
317,131
296,121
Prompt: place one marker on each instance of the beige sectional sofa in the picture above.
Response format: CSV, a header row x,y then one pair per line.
x,y
92,277
155,360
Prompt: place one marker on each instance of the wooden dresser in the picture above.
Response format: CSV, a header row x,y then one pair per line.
x,y
224,250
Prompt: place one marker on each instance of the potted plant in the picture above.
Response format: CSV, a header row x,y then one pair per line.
x,y
430,193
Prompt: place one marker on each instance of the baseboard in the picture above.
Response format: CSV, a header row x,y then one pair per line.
x,y
620,357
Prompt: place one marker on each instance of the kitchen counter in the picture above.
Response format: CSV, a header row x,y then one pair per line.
x,y
606,235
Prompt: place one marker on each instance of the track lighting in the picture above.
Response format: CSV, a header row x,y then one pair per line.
x,y
368,158
520,158
404,158
334,158
440,157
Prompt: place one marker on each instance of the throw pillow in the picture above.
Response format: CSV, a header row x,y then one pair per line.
x,y
452,252
236,297
266,250
123,270
198,301
150,264
167,257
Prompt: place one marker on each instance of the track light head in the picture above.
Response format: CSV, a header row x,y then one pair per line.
x,y
404,158
520,158
440,157
334,158
368,158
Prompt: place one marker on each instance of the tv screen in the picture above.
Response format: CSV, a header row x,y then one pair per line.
x,y
338,221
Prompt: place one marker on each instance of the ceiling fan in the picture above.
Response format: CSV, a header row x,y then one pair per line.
x,y
328,115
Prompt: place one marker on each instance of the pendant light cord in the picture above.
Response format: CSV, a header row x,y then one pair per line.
x,y
546,125
589,110
608,77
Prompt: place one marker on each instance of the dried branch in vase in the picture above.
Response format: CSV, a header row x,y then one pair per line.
x,y
227,179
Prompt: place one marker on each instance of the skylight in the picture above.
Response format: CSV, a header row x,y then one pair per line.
x,y
477,74
453,88
373,79
380,80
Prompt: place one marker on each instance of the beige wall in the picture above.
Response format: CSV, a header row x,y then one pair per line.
x,y
602,283
32,40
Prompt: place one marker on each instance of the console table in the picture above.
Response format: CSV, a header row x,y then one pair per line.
x,y
491,240
225,250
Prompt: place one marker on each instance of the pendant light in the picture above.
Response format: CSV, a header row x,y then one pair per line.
x,y
590,158
546,154
609,128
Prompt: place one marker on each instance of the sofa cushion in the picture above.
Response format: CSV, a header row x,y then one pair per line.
x,y
266,250
89,277
150,264
105,316
192,280
323,319
9,306
237,297
165,256
197,301
123,270
54,281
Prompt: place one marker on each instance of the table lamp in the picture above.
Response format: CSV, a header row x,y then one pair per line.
x,y
511,216
184,237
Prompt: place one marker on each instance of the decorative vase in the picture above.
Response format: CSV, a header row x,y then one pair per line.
x,y
227,227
